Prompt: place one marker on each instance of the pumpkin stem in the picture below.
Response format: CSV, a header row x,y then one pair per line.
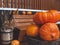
x,y
52,36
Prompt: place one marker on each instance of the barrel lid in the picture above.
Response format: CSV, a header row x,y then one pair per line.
x,y
7,30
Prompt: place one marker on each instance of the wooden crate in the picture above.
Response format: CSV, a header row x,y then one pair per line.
x,y
21,21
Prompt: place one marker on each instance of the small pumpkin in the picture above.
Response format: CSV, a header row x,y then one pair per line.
x,y
15,42
24,13
32,30
49,32
29,13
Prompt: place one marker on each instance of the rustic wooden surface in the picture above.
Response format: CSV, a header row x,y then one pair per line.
x,y
33,4
22,21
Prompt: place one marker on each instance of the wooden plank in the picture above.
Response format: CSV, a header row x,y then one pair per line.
x,y
23,20
22,24
19,4
4,3
21,27
9,4
23,16
21,35
13,3
0,3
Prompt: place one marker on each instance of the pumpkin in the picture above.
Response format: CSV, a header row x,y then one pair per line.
x,y
49,32
24,13
32,30
15,42
29,13
55,13
45,17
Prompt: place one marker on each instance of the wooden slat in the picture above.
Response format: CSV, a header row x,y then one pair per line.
x,y
35,4
21,27
9,4
0,3
4,3
13,3
22,24
23,20
18,3
23,16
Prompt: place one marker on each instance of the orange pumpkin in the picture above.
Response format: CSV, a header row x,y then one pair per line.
x,y
44,17
29,13
55,13
41,17
24,13
32,30
15,42
49,32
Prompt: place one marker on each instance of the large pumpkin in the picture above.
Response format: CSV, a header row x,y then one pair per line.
x,y
49,32
44,17
32,30
40,17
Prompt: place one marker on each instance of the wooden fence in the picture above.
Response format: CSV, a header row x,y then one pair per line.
x,y
31,4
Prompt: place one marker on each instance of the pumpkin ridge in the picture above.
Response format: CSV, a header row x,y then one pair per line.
x,y
53,28
54,17
45,31
52,37
50,17
45,27
35,17
44,17
49,31
41,17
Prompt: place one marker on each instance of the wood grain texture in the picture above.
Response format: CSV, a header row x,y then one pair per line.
x,y
1,3
22,21
23,16
23,24
34,4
